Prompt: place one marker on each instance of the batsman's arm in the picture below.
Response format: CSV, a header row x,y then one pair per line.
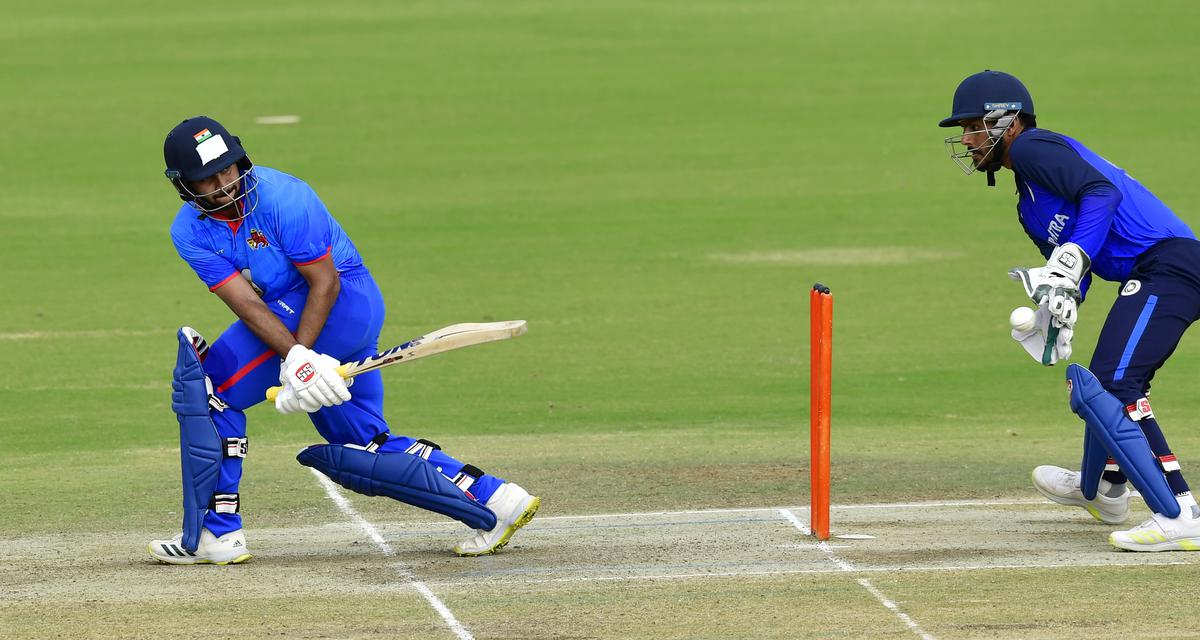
x,y
323,287
238,295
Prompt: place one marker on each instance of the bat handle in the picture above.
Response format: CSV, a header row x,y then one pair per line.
x,y
273,392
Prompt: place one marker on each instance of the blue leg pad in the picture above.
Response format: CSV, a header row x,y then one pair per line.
x,y
200,447
1095,458
1107,422
401,476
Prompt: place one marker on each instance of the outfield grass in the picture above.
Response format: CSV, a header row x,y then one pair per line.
x,y
653,186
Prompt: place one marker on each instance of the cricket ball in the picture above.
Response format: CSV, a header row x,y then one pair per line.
x,y
1022,318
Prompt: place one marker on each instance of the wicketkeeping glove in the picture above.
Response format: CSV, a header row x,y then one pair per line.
x,y
1048,341
311,379
1056,285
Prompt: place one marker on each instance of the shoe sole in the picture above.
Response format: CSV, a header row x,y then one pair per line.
x,y
1187,544
185,561
521,521
1087,506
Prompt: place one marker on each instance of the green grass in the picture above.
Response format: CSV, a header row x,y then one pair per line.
x,y
607,171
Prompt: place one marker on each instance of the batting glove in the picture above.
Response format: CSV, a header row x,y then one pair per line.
x,y
313,378
287,402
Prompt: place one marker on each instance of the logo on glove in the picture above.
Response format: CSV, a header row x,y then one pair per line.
x,y
1067,260
306,372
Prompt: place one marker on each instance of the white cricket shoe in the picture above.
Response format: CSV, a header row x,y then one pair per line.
x,y
1161,533
228,549
1062,486
514,508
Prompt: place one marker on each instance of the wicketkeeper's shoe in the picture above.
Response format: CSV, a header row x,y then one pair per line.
x,y
228,549
1062,486
514,508
1161,533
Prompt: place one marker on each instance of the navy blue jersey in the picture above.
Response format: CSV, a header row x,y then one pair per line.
x,y
1068,193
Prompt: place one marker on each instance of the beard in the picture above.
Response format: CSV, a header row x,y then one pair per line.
x,y
992,159
210,201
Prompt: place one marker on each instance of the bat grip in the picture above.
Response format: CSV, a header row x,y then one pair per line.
x,y
273,392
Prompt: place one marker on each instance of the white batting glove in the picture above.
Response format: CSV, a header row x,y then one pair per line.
x,y
313,378
287,402
1056,285
1048,341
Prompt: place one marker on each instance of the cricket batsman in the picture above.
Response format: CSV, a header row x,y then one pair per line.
x,y
265,244
1089,218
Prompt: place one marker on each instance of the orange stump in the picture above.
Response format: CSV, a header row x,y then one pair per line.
x,y
821,353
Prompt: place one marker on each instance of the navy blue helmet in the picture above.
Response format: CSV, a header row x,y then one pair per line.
x,y
987,91
997,99
200,148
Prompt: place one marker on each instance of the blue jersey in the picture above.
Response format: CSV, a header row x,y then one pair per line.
x,y
289,226
1068,193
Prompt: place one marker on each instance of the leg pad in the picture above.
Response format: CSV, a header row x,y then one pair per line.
x,y
405,477
1106,422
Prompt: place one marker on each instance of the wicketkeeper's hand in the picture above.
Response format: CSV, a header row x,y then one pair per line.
x,y
1048,341
310,381
1056,285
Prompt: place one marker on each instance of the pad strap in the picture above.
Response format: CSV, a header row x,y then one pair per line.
x,y
1139,410
235,447
422,448
467,477
226,503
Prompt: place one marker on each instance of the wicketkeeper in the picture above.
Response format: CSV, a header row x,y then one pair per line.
x,y
1088,217
264,243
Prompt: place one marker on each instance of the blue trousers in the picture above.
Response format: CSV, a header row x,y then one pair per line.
x,y
242,368
1156,304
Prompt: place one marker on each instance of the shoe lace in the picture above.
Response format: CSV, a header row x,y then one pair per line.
x,y
1068,478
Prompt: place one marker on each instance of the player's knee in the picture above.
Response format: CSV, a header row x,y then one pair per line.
x,y
1126,389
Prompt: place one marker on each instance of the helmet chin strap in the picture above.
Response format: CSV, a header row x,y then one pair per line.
x,y
997,151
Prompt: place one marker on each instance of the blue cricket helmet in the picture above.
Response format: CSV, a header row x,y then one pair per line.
x,y
200,147
988,91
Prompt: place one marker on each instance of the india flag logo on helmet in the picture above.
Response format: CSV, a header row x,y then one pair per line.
x,y
202,136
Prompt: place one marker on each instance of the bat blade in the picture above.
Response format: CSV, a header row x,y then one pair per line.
x,y
455,336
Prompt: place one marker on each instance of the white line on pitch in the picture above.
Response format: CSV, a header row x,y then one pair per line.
x,y
866,584
481,578
897,505
344,505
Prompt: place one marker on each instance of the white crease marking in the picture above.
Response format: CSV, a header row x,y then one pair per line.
x,y
845,565
344,505
787,572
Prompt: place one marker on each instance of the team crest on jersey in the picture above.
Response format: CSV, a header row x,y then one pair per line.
x,y
256,240
1131,287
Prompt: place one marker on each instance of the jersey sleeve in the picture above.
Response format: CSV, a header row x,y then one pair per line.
x,y
1054,165
213,270
305,233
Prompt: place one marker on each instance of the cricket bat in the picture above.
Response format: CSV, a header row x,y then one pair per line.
x,y
455,336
